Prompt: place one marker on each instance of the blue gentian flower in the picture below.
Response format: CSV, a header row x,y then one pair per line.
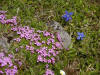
x,y
67,16
80,36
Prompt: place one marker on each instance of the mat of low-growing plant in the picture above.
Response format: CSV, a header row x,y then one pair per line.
x,y
29,47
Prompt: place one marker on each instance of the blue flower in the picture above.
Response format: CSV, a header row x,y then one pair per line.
x,y
80,36
67,16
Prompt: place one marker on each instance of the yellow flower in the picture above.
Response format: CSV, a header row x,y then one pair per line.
x,y
62,72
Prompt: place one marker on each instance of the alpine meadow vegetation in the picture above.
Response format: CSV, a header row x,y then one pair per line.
x,y
28,46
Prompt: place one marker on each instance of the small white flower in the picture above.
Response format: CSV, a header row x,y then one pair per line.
x,y
62,72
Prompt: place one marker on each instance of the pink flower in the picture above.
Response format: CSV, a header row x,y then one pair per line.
x,y
54,54
32,52
30,42
53,60
18,32
14,28
49,72
3,63
51,51
48,55
52,40
3,12
40,58
27,47
20,63
17,49
22,35
21,46
48,42
31,48
37,43
52,36
45,33
53,47
17,39
47,66
12,21
8,60
1,72
2,19
49,61
58,45
10,55
44,53
1,54
45,60
58,37
11,71
15,20
57,52
37,50
43,42
39,31
6,63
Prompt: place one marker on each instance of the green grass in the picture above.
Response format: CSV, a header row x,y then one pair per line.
x,y
85,19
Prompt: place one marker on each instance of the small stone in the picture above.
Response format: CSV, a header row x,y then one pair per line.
x,y
55,25
3,43
65,37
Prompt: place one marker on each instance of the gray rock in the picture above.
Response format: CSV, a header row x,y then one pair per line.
x,y
55,25
3,44
65,37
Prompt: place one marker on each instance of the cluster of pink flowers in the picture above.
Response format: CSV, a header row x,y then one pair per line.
x,y
46,49
45,54
5,61
3,19
49,72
